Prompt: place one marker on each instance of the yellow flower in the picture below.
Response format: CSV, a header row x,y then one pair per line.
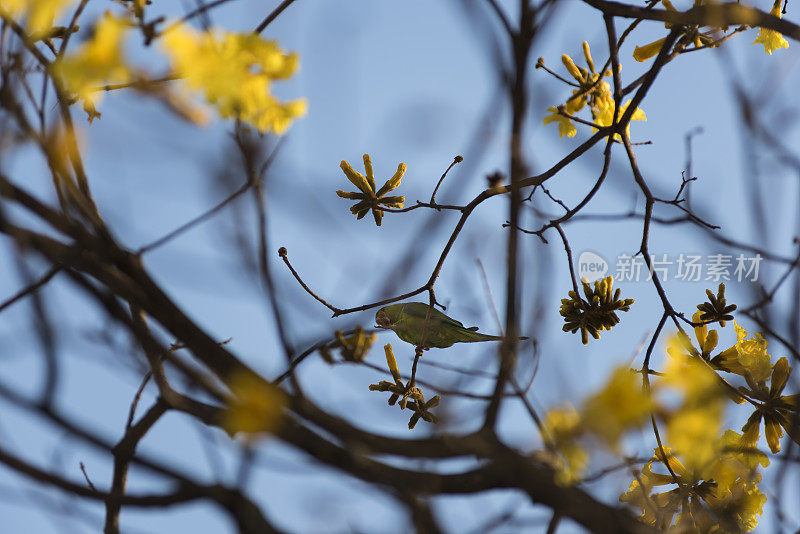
x,y
771,39
562,428
562,423
657,509
643,53
706,340
620,406
736,498
353,348
595,313
575,103
565,126
737,459
693,426
605,115
39,14
687,373
397,388
753,355
235,71
368,198
700,502
256,406
97,62
692,430
778,411
592,90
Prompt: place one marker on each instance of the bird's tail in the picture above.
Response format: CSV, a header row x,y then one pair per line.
x,y
475,336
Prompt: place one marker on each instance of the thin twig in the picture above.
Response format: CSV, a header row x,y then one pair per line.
x,y
272,16
21,294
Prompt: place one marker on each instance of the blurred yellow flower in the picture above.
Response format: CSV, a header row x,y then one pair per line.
x,y
235,71
40,15
562,427
657,509
97,62
353,348
619,407
695,424
737,459
256,406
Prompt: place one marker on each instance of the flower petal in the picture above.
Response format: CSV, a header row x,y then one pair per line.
x,y
356,178
378,216
643,53
791,423
368,170
773,433
393,182
350,196
780,374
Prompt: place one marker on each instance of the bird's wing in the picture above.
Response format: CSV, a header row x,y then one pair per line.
x,y
420,310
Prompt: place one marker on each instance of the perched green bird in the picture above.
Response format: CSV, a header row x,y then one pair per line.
x,y
408,319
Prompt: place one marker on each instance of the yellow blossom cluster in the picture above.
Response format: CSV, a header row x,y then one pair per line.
x,y
595,311
693,426
702,477
709,478
409,394
563,426
39,15
234,71
620,406
722,497
369,197
592,90
97,62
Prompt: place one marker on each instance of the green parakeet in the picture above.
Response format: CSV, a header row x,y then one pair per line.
x,y
408,319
